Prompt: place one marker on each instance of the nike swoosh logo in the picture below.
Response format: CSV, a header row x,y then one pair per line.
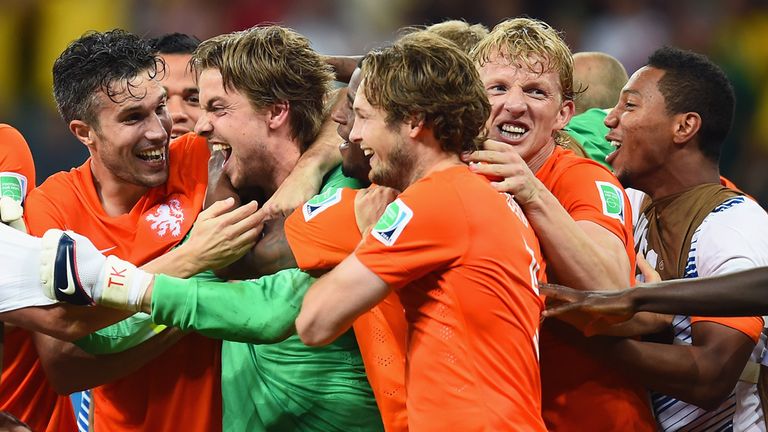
x,y
70,290
103,251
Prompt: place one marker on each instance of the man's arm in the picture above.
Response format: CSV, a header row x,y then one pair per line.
x,y
337,299
270,255
703,374
736,294
305,179
580,254
255,311
218,238
71,369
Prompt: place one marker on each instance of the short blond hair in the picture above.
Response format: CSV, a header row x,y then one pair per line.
x,y
427,77
271,64
460,32
530,43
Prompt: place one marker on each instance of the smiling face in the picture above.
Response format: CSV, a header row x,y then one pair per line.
x,y
230,123
183,95
354,163
129,143
641,130
392,164
527,108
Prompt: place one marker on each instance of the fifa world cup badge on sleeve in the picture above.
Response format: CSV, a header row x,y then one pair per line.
x,y
13,185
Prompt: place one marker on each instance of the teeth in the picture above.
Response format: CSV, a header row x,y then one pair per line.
x,y
512,129
152,155
367,152
220,147
616,144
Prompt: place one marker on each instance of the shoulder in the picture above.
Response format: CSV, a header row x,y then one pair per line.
x,y
734,236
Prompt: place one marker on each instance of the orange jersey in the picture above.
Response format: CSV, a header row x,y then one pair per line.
x,y
24,390
321,234
581,391
463,261
180,389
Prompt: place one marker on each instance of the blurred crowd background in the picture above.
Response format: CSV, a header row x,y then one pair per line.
x,y
733,32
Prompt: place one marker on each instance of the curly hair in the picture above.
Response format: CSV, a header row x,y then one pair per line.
x,y
428,77
693,83
463,34
100,62
532,43
270,64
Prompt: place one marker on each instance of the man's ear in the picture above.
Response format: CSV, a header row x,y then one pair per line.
x,y
416,126
84,132
278,114
686,125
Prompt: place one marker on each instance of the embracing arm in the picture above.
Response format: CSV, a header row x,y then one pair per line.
x,y
581,254
337,299
70,369
703,374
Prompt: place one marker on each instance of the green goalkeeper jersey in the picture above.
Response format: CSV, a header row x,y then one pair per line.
x,y
589,130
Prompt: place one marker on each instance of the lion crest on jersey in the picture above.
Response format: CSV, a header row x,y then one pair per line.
x,y
167,218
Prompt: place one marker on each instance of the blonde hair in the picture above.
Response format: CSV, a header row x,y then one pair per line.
x,y
427,77
460,32
271,64
531,43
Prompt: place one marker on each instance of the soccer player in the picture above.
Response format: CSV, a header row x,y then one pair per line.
x,y
183,99
577,208
451,247
668,129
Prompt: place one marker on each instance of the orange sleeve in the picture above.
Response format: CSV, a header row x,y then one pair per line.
x,y
16,159
322,232
41,213
589,192
417,234
750,326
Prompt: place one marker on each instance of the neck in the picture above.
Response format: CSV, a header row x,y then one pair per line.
x,y
117,197
682,172
432,158
284,155
537,160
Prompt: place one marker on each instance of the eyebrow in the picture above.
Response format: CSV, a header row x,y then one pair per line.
x,y
211,101
137,106
630,91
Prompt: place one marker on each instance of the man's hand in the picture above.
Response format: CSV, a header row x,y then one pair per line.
x,y
74,271
562,299
220,237
507,171
370,204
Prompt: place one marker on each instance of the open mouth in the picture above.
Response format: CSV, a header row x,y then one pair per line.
x,y
616,147
152,155
224,148
512,132
367,152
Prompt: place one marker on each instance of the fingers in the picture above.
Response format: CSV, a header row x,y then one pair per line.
x,y
560,292
650,275
216,209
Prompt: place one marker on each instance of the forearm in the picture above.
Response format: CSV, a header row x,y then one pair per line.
x,y
180,262
589,261
63,321
256,311
71,369
676,370
736,294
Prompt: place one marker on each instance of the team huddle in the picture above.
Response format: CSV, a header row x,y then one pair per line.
x,y
248,248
